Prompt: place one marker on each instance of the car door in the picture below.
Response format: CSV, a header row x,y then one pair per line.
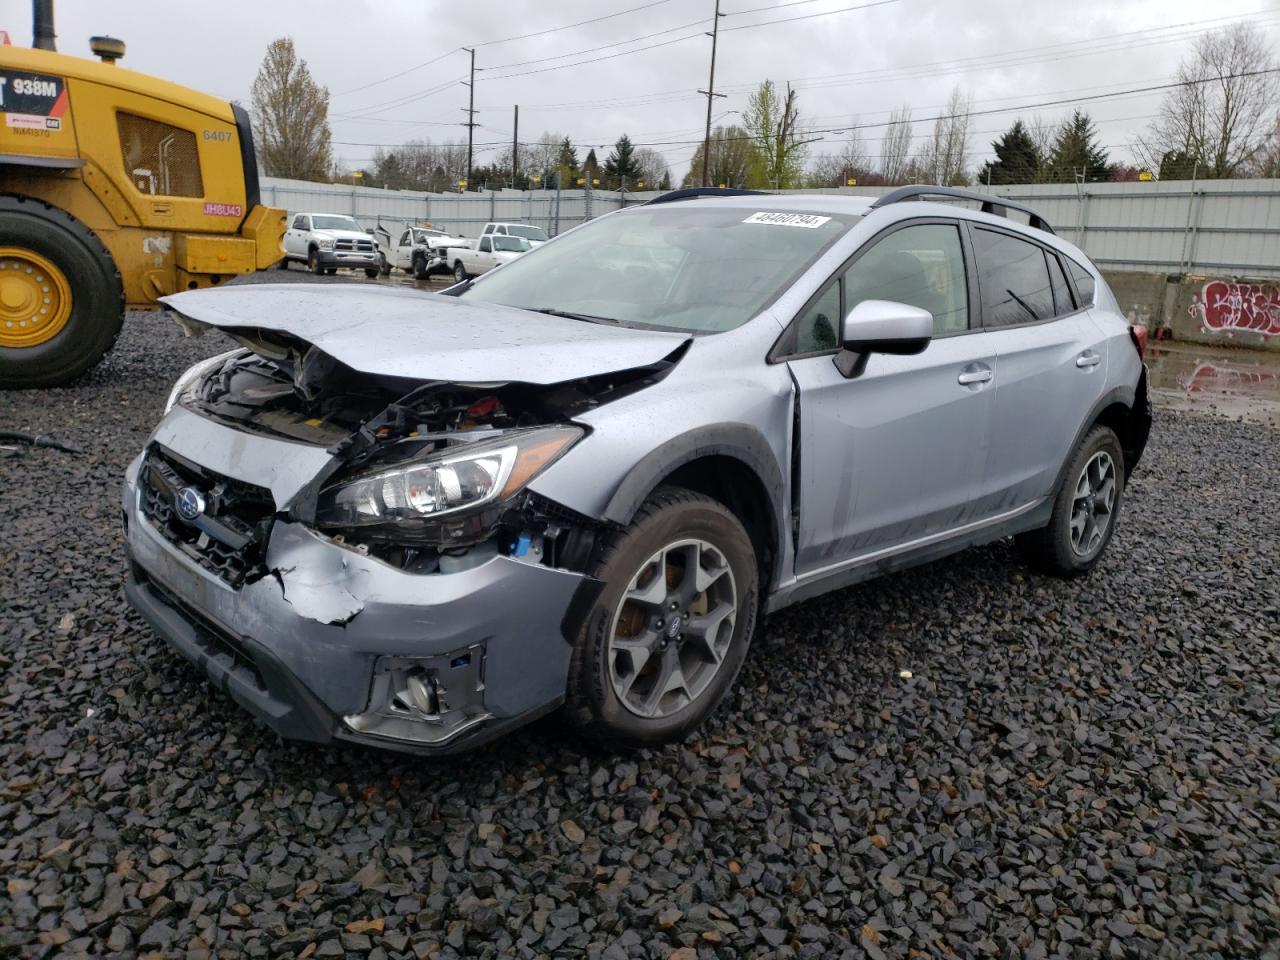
x,y
897,453
1052,358
404,250
483,257
295,238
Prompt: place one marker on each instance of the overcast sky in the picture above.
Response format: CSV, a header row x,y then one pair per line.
x,y
847,63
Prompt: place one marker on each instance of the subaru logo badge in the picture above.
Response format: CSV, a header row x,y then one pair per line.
x,y
190,503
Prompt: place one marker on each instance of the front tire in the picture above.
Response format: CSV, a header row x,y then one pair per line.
x,y
313,263
61,298
372,273
669,632
459,272
419,268
384,268
1084,511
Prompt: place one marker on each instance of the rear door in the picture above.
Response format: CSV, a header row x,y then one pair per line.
x,y
1052,358
895,454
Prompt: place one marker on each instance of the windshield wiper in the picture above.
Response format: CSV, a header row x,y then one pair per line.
x,y
590,318
1023,304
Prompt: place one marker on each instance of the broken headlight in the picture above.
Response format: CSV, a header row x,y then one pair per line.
x,y
458,478
195,373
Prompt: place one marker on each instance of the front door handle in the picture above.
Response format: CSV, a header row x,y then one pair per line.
x,y
1088,359
973,376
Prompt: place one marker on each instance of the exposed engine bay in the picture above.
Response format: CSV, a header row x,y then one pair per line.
x,y
427,476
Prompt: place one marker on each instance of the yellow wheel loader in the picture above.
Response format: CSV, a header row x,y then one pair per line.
x,y
115,189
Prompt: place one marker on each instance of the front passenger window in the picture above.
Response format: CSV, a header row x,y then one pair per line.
x,y
485,245
921,265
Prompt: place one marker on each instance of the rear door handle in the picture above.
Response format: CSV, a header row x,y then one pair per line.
x,y
974,376
1089,359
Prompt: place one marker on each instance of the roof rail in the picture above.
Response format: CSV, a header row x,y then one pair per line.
x,y
690,193
997,206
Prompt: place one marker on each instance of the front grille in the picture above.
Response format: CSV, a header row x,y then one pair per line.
x,y
228,537
359,246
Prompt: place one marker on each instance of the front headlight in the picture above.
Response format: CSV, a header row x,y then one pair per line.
x,y
195,373
325,243
460,478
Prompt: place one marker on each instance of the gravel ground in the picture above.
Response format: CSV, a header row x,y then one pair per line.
x,y
1069,769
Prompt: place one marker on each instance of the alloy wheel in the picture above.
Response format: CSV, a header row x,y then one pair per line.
x,y
672,629
1093,504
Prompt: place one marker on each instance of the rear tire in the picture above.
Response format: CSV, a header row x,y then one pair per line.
x,y
633,682
283,264
331,271
1085,510
80,332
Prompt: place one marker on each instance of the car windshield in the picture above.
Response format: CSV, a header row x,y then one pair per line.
x,y
699,268
511,244
422,236
335,223
529,233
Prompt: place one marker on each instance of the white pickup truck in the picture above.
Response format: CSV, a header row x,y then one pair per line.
x,y
490,251
326,242
417,250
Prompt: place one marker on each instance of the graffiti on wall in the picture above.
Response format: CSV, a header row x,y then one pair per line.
x,y
1225,307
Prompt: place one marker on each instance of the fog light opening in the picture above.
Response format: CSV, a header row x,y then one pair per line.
x,y
426,700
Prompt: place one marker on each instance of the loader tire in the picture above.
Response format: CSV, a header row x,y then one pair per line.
x,y
61,297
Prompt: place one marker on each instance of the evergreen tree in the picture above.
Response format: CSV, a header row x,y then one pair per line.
x,y
568,155
620,165
1017,158
1179,165
590,168
1076,151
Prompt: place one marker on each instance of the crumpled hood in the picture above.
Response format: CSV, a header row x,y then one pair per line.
x,y
425,336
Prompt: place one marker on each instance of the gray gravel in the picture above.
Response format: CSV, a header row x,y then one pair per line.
x,y
1071,769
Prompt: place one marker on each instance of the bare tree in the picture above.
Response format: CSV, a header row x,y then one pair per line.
x,y
650,168
943,158
895,148
1221,111
1265,161
1043,133
836,169
291,116
733,159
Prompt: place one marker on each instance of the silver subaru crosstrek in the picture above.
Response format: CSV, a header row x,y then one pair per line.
x,y
419,520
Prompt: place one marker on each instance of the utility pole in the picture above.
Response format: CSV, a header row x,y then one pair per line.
x,y
710,94
515,147
471,111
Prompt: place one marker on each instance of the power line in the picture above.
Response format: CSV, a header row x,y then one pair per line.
x,y
810,16
570,26
396,76
1113,94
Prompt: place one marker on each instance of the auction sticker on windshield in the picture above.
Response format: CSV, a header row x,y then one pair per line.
x,y
787,219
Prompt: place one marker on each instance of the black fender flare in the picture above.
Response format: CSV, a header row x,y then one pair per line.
x,y
1123,395
736,440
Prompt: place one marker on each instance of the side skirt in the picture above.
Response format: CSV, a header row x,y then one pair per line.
x,y
925,550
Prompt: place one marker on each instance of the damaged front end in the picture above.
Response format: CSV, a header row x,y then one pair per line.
x,y
391,559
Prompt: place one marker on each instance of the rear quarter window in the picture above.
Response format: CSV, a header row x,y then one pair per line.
x,y
1086,286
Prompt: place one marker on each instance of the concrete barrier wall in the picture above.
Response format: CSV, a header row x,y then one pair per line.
x,y
1200,309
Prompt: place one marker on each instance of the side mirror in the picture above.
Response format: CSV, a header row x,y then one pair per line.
x,y
881,326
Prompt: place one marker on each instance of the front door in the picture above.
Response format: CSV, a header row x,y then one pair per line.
x,y
897,453
295,238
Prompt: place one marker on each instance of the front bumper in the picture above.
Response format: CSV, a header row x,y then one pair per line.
x,y
356,260
302,647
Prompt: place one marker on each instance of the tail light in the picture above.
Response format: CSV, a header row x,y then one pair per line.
x,y
1138,334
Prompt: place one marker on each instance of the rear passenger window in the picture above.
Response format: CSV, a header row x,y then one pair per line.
x,y
1062,303
158,158
1014,279
921,265
1084,283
